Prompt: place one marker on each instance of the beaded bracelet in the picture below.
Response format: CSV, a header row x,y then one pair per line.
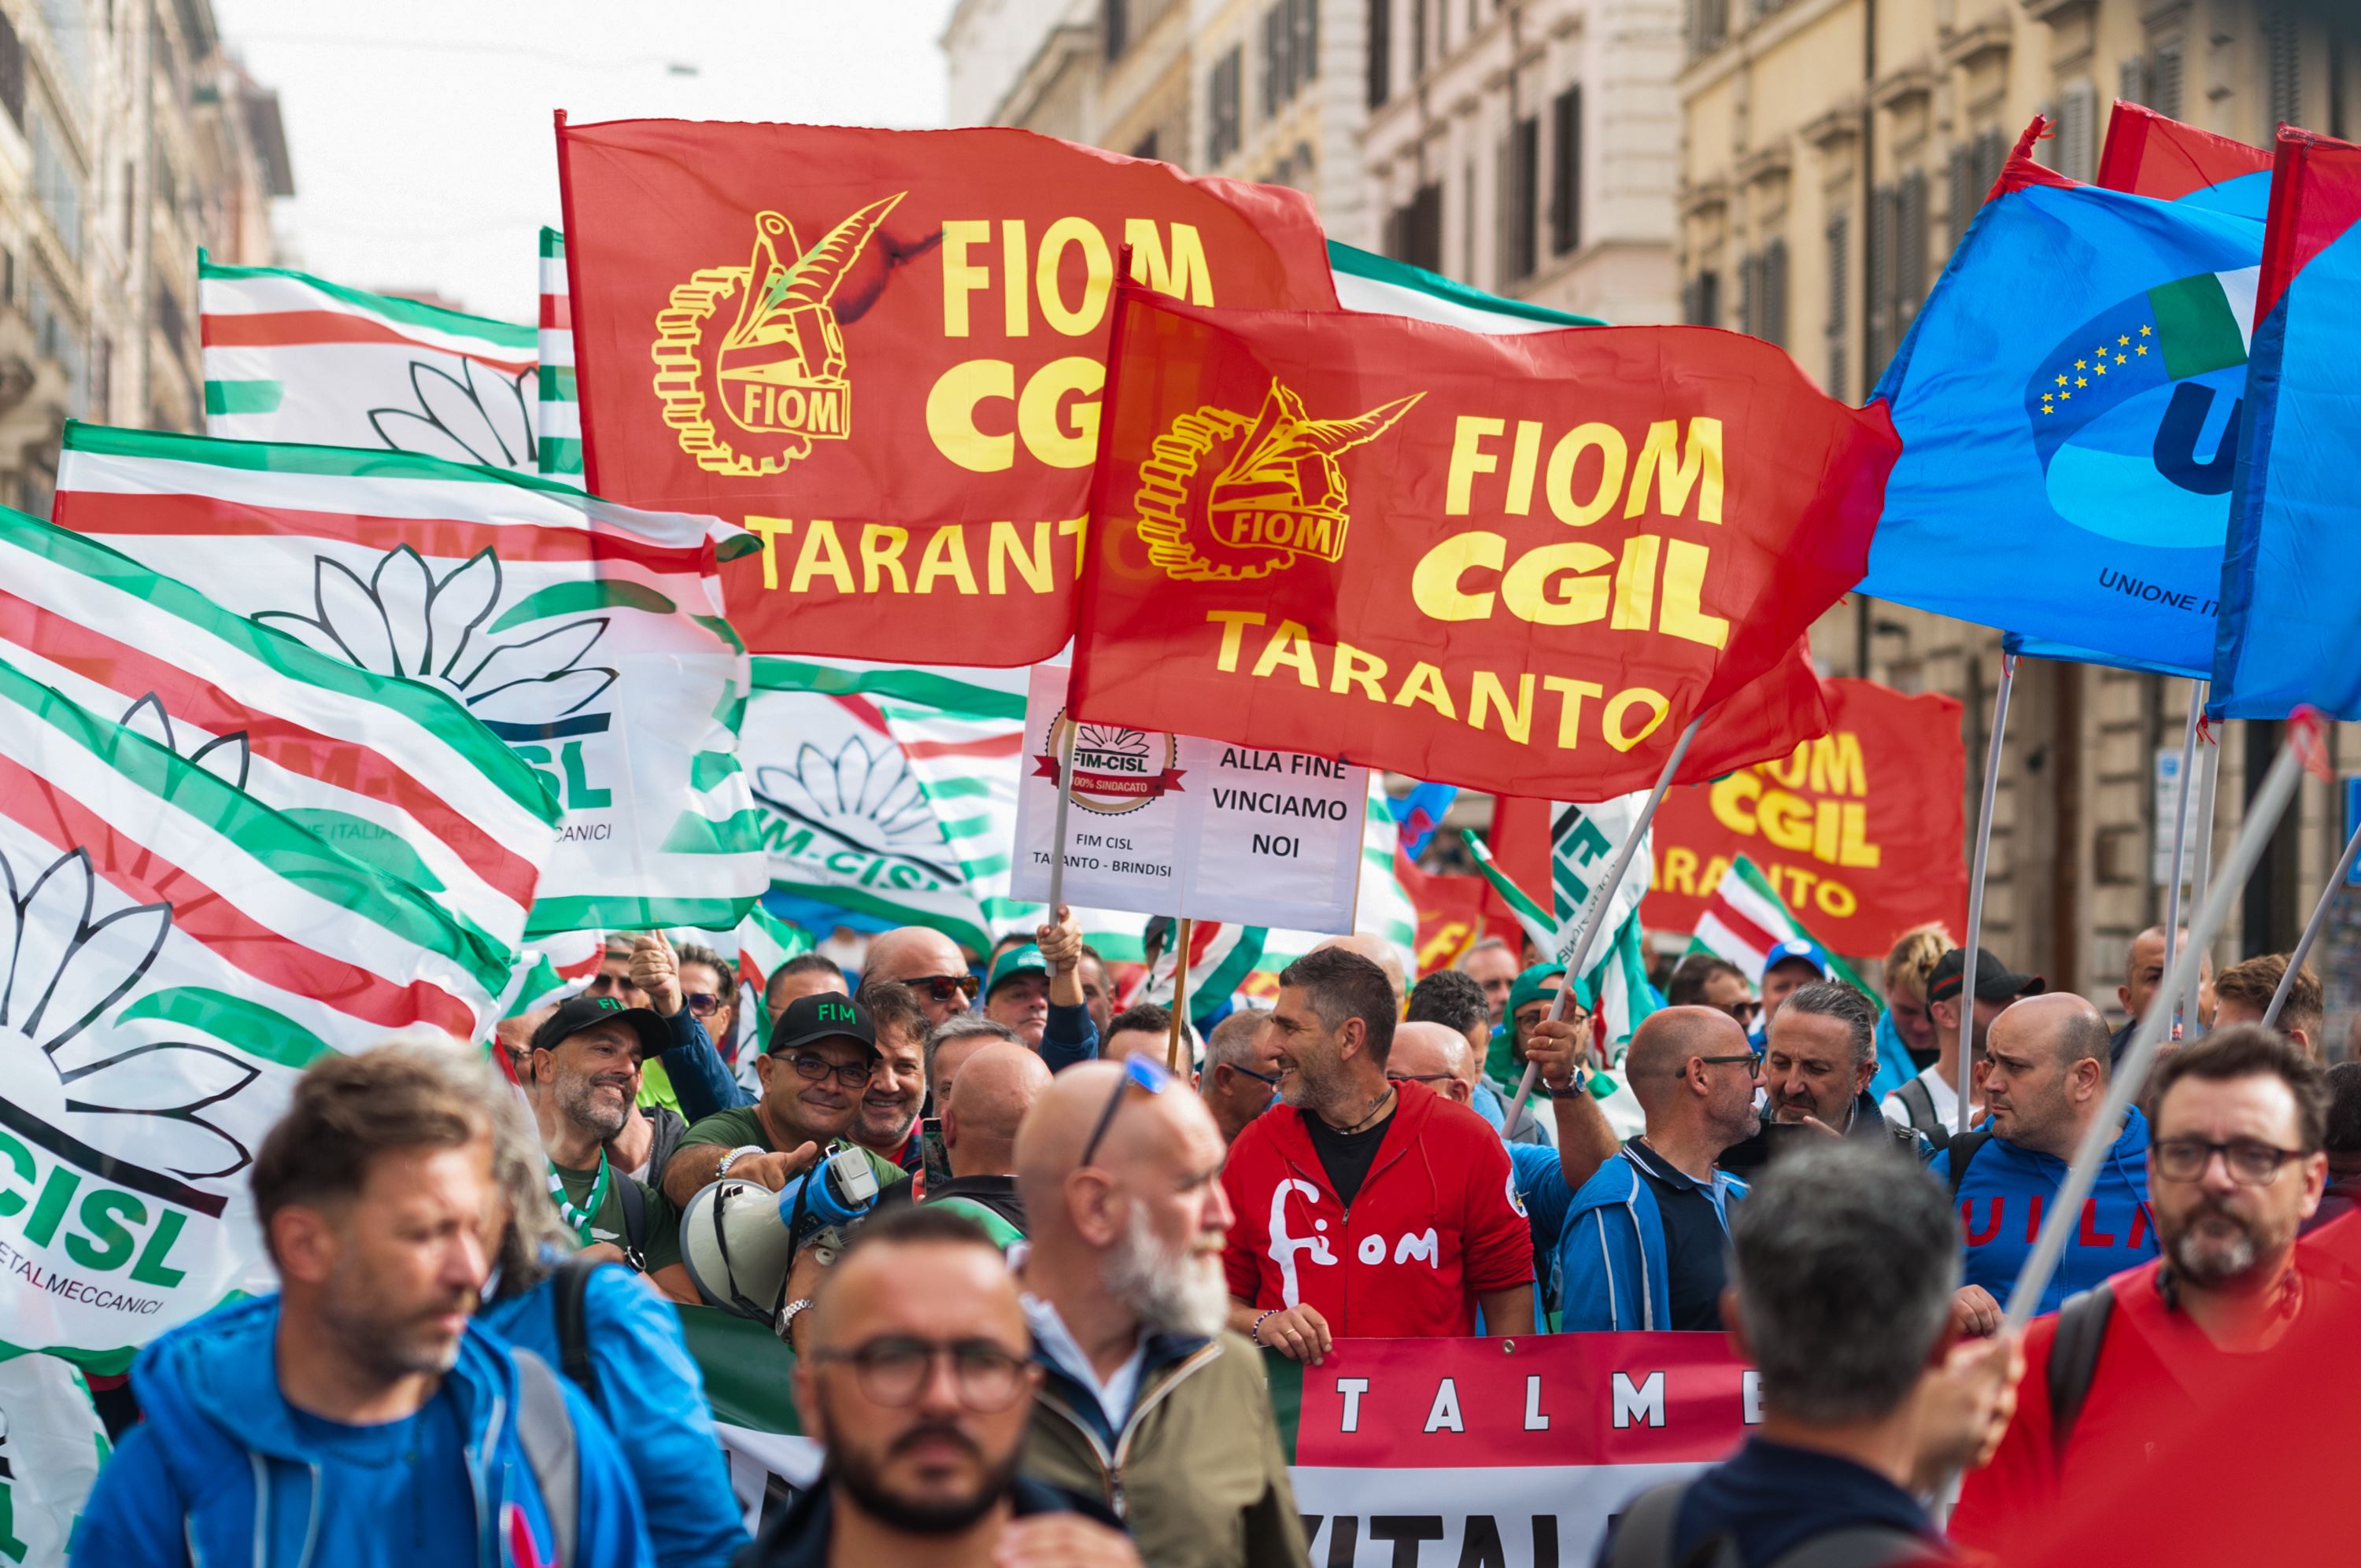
x,y
1255,1334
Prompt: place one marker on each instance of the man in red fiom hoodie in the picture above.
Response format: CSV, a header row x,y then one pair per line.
x,y
1366,1209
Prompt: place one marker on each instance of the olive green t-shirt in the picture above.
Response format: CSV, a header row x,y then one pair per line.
x,y
743,1127
663,1246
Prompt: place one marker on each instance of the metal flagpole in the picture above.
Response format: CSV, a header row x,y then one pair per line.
x,y
2311,929
1966,1065
2180,822
2208,763
1587,921
1180,1002
2065,1213
1058,820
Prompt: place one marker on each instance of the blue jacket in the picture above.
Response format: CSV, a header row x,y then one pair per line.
x,y
1070,1035
652,1396
218,1474
698,1076
1612,1269
2001,1201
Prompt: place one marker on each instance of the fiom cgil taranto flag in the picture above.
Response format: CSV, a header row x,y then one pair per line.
x,y
588,636
396,773
2290,626
292,358
179,953
885,351
557,412
2069,394
1413,548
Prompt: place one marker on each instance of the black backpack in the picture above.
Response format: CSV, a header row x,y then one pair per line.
x,y
1920,1104
1644,1539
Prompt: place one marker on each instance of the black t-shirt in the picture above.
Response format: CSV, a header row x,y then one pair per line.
x,y
1695,1242
1347,1156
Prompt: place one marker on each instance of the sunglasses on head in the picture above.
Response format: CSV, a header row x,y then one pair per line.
x,y
943,987
1138,1072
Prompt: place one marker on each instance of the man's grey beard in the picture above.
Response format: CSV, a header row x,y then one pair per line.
x,y
2210,1261
575,1101
1173,1292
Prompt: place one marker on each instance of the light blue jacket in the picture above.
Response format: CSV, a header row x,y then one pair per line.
x,y
218,1473
1612,1269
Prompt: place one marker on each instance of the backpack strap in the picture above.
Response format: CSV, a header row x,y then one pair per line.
x,y
2074,1360
545,1433
1920,1104
634,1198
570,1288
1963,1153
1859,1546
1643,1537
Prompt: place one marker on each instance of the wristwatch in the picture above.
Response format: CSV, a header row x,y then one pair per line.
x,y
730,1158
787,1315
1574,1088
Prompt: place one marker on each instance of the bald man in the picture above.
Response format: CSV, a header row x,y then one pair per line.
x,y
923,1468
1645,1238
2046,1070
1379,951
1124,1287
928,962
996,1087
2143,972
1441,1058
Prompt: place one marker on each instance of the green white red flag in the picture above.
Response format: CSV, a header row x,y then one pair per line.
x,y
557,411
291,357
179,953
1745,918
396,773
588,636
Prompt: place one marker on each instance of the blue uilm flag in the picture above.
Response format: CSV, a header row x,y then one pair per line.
x,y
1420,813
2068,401
2290,626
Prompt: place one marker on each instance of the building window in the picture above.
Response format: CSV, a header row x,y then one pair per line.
x,y
1839,240
1417,40
56,187
12,74
1415,230
2164,80
1520,201
2283,64
1115,27
1566,170
1381,51
1225,122
1291,44
2077,139
1898,263
1147,147
1762,293
1708,27
1701,299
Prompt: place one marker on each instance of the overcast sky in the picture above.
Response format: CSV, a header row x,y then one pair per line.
x,y
419,131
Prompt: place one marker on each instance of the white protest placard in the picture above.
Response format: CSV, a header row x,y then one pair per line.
x,y
1174,824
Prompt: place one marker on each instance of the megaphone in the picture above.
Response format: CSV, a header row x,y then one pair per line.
x,y
738,1240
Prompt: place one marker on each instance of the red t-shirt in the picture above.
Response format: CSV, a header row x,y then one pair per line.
x,y
1435,1224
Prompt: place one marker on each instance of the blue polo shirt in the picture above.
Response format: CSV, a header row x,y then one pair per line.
x,y
1696,1242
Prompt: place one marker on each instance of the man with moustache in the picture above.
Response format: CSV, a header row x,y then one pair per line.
x,y
1120,1171
1819,1056
887,1122
2234,1168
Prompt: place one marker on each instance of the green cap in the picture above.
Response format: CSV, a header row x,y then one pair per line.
x,y
1529,988
1027,960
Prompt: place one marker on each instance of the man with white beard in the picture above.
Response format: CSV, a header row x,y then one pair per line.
x,y
1119,1167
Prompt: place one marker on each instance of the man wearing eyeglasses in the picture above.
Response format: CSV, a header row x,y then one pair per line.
x,y
1240,1078
920,1399
815,1070
2236,1166
2045,1076
1146,1402
928,962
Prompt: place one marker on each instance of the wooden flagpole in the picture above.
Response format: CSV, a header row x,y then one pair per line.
x,y
1180,1001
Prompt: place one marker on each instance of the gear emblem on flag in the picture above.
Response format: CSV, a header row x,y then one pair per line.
x,y
1229,497
778,380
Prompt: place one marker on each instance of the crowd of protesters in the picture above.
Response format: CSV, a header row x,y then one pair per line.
x,y
1035,1239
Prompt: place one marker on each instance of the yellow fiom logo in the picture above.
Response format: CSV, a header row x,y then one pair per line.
x,y
754,399
1227,498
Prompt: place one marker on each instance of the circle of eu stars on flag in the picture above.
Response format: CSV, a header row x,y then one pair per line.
x,y
2121,352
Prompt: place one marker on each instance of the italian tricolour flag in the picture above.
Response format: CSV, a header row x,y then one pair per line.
x,y
557,409
1746,918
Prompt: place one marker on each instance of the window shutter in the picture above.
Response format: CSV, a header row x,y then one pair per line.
x,y
1910,252
1839,306
2132,80
1775,292
1382,53
2283,63
1961,175
1566,170
2164,86
2077,118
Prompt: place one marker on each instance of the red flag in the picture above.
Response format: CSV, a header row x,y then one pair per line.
x,y
883,352
1518,564
1859,829
2150,155
1454,912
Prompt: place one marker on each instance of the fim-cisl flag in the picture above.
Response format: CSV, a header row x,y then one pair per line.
x,y
293,357
588,636
557,412
2291,631
53,1443
181,952
1522,564
2071,394
396,773
885,351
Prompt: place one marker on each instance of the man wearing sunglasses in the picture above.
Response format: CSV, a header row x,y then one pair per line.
x,y
815,1070
920,1399
2236,1166
928,962
1146,1403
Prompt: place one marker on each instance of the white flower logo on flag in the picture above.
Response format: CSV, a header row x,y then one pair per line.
x,y
458,418
862,795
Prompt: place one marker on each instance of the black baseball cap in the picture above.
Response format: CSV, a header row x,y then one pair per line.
x,y
580,1013
824,1015
1995,982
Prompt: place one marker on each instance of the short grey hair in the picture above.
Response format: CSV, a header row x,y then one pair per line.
x,y
1845,1261
1833,999
959,1027
1232,1040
